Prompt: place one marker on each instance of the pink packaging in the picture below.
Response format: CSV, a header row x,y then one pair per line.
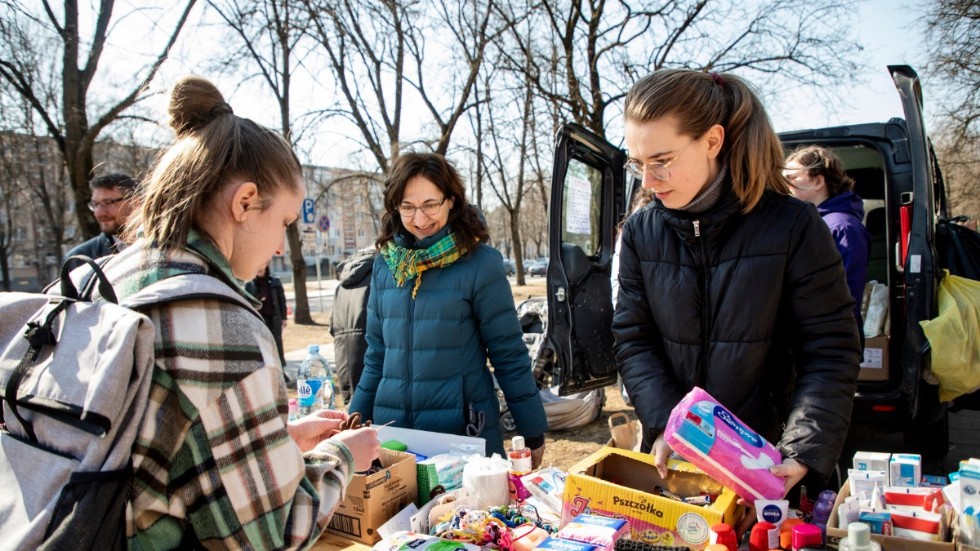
x,y
705,433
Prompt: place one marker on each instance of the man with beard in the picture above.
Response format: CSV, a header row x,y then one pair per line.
x,y
112,202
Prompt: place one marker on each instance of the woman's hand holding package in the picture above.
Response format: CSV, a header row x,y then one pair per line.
x,y
791,471
308,431
363,444
537,455
661,451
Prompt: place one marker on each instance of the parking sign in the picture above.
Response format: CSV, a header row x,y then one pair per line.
x,y
309,213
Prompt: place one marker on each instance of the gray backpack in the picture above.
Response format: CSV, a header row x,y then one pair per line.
x,y
74,383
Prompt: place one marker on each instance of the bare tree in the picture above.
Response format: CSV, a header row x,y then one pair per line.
x,y
953,39
380,50
74,128
593,50
271,32
959,155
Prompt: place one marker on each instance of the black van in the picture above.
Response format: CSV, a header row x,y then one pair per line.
x,y
899,180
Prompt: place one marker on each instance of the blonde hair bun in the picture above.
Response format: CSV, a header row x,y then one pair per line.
x,y
195,103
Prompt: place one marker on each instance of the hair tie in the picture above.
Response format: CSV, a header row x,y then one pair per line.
x,y
719,80
221,109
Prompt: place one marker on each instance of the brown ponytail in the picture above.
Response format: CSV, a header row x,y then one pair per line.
x,y
700,100
213,148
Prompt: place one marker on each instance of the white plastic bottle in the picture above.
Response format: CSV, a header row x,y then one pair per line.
x,y
859,538
314,382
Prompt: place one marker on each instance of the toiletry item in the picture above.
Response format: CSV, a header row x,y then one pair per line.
x,y
771,510
724,534
554,543
880,522
918,525
711,437
821,512
806,536
596,530
519,457
871,461
863,482
764,536
905,469
859,539
527,536
786,532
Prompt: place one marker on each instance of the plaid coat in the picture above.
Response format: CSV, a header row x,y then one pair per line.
x,y
214,462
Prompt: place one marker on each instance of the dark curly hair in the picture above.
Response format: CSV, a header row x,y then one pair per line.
x,y
464,219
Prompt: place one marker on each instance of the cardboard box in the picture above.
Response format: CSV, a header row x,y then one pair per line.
x,y
874,367
373,499
888,543
620,483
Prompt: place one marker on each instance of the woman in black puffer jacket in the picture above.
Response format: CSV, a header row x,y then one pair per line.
x,y
727,282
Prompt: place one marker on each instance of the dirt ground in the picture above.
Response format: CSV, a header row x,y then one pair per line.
x,y
563,448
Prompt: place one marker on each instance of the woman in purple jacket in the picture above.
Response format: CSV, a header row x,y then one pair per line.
x,y
816,175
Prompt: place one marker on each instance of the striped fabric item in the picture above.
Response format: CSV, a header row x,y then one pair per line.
x,y
214,461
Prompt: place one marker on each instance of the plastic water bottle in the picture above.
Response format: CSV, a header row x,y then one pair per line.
x,y
293,409
314,382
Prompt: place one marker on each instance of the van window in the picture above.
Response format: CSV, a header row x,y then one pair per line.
x,y
580,207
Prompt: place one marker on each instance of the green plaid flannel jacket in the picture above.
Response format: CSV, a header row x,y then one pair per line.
x,y
214,462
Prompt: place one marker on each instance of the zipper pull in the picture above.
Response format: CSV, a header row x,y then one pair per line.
x,y
697,228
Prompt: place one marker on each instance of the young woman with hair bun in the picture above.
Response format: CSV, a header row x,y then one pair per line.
x,y
727,282
216,463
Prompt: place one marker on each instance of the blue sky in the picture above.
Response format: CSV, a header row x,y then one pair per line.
x,y
892,34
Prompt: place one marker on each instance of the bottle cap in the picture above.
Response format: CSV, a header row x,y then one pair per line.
x,y
859,535
313,348
715,547
764,536
517,443
806,535
786,532
724,534
293,402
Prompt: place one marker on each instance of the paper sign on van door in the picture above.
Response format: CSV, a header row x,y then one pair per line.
x,y
578,198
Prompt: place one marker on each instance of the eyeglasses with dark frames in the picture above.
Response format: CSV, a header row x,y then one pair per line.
x,y
658,169
92,205
429,208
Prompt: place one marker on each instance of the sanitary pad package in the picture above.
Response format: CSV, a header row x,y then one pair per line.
x,y
705,433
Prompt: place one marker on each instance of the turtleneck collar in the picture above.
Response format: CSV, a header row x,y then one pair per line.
x,y
709,194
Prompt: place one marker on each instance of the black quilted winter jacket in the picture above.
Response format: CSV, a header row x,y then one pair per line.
x,y
754,308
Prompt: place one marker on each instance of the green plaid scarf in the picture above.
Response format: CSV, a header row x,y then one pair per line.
x,y
406,264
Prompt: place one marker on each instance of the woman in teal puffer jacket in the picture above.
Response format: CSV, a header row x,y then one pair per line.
x,y
441,306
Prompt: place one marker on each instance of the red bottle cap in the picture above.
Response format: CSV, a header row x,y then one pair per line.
x,y
764,536
806,535
725,535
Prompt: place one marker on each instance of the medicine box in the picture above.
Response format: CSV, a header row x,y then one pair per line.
x,y
872,461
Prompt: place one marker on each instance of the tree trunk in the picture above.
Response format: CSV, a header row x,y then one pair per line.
x,y
515,235
301,311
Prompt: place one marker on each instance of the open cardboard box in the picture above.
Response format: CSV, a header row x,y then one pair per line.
x,y
621,483
888,543
373,499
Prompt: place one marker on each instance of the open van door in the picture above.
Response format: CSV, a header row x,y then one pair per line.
x,y
588,199
919,213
